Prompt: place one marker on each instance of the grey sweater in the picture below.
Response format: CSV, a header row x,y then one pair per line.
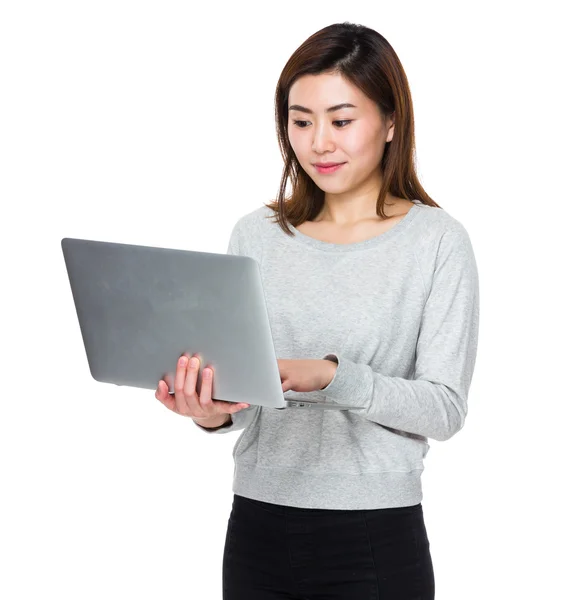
x,y
399,312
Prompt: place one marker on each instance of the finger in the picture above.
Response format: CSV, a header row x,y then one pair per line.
x,y
205,397
163,396
180,374
190,388
230,407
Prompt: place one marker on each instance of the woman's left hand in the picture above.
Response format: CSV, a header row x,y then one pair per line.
x,y
307,375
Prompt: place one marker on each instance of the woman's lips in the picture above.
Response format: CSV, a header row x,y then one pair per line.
x,y
321,169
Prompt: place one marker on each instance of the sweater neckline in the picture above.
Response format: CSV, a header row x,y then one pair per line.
x,y
396,230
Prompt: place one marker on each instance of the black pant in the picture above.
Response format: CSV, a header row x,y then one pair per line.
x,y
275,552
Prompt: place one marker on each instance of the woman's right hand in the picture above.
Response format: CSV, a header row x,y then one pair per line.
x,y
186,402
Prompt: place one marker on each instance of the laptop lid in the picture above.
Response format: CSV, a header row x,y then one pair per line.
x,y
140,307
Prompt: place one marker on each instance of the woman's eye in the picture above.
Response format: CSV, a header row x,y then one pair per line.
x,y
298,123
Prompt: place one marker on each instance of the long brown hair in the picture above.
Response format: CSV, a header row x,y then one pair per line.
x,y
366,59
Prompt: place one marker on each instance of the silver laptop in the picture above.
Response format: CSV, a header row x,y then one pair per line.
x,y
139,308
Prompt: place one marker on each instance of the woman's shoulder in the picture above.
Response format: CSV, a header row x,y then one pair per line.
x,y
439,221
257,222
251,222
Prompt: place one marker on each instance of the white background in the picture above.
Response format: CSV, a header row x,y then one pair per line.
x,y
152,123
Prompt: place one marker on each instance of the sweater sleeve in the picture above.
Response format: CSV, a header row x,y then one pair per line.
x,y
240,419
243,417
434,403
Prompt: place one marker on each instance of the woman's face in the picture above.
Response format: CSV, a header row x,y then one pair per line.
x,y
354,135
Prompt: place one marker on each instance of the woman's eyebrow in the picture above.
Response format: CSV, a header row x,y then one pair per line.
x,y
330,109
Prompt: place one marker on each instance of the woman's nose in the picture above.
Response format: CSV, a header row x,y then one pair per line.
x,y
322,141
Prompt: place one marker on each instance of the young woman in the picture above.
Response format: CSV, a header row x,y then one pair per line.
x,y
372,289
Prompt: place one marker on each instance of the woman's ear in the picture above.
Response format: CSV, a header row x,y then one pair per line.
x,y
390,125
390,133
